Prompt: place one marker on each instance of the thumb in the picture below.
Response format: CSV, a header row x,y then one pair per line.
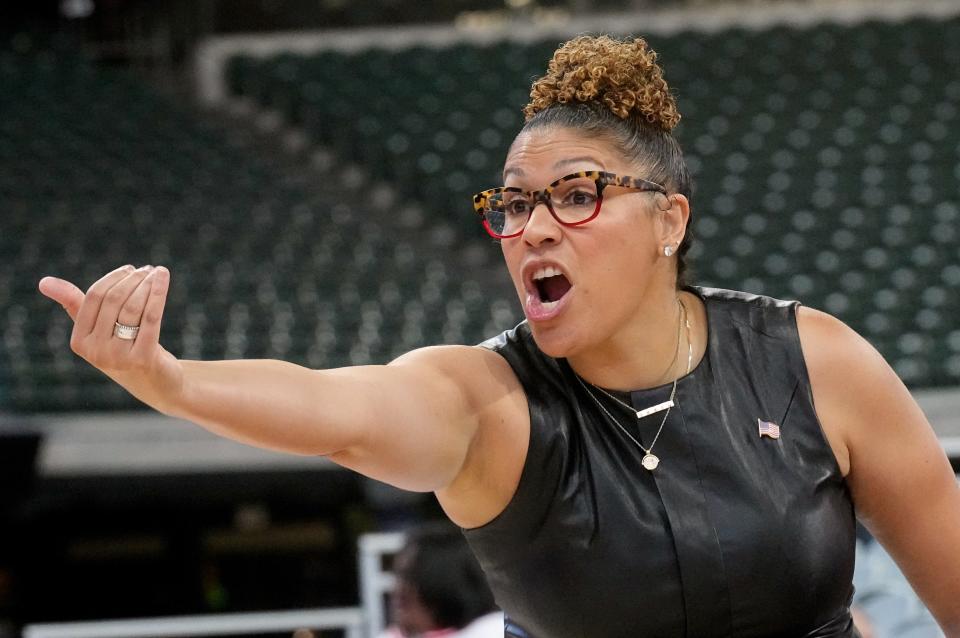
x,y
64,293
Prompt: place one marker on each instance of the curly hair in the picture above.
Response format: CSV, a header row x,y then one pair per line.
x,y
623,75
614,90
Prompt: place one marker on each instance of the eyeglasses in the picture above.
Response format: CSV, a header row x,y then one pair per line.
x,y
572,200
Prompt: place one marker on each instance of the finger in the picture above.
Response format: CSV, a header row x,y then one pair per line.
x,y
90,308
64,293
149,334
114,299
132,309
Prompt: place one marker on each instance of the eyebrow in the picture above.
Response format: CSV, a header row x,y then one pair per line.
x,y
515,170
578,160
512,171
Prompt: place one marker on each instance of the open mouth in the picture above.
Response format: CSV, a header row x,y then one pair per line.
x,y
551,284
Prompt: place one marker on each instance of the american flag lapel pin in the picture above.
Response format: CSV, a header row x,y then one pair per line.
x,y
769,428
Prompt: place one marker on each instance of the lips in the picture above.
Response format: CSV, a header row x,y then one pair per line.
x,y
548,290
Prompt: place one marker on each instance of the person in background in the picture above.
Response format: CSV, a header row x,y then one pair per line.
x,y
440,589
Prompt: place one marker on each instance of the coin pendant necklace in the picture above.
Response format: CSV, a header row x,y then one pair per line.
x,y
650,461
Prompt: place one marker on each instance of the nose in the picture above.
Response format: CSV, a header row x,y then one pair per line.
x,y
541,226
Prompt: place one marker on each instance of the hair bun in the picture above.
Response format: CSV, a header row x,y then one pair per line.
x,y
623,75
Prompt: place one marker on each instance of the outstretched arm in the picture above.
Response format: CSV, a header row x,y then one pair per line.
x,y
902,485
410,423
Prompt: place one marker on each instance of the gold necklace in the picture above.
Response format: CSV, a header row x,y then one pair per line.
x,y
650,461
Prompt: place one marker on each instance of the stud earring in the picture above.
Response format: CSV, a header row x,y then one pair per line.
x,y
668,250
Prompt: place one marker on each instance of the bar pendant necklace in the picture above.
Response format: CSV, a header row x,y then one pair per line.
x,y
653,409
650,461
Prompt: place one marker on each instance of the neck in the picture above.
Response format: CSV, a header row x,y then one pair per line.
x,y
643,354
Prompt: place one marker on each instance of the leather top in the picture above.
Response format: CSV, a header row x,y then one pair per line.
x,y
733,535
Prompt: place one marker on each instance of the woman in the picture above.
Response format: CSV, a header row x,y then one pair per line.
x,y
440,590
639,457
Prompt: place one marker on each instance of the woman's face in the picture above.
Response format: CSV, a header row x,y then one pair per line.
x,y
408,612
581,286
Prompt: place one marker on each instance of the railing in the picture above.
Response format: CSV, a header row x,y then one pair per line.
x,y
349,619
882,591
375,581
356,622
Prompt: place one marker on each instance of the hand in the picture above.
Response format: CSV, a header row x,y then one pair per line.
x,y
132,297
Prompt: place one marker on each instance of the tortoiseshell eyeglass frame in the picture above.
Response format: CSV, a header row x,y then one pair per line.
x,y
601,178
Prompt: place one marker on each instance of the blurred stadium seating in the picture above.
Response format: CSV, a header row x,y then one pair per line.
x,y
827,166
826,161
269,258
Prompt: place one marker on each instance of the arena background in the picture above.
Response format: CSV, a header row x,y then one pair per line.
x,y
304,170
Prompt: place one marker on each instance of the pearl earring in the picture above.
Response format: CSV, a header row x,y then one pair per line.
x,y
668,250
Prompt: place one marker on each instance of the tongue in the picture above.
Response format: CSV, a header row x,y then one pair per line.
x,y
554,287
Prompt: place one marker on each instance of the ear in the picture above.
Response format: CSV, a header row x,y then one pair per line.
x,y
674,216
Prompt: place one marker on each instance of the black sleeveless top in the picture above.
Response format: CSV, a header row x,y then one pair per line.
x,y
733,535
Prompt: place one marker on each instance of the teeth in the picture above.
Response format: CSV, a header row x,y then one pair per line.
x,y
546,271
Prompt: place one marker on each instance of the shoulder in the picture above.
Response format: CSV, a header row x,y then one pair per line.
x,y
540,375
843,362
839,360
832,349
474,369
743,304
478,379
849,379
493,395
760,324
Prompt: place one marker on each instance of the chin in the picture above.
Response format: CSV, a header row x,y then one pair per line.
x,y
555,341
